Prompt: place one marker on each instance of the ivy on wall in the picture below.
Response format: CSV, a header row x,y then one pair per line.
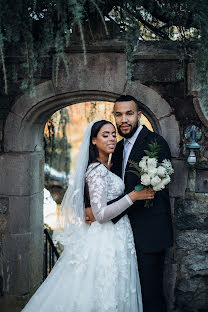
x,y
32,28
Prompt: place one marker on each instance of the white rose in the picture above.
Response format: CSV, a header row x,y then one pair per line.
x,y
152,172
145,157
161,171
166,180
154,181
145,179
143,163
152,163
158,187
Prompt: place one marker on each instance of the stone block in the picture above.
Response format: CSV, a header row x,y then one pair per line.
x,y
151,99
156,50
25,102
147,71
36,259
25,213
178,184
170,132
12,128
192,240
191,294
21,173
191,214
16,263
22,135
195,264
103,72
22,262
170,273
4,204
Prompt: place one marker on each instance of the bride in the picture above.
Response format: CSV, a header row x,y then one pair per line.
x,y
97,271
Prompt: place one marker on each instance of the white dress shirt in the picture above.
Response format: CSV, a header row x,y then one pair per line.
x,y
128,144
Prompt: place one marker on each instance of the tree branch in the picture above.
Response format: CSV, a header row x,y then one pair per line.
x,y
156,30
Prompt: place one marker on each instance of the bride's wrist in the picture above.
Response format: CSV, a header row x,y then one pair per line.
x,y
132,196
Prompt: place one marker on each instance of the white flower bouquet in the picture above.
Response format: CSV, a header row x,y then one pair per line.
x,y
151,173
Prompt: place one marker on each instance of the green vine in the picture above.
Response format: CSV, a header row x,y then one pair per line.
x,y
32,29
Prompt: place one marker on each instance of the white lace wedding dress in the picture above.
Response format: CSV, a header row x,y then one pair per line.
x,y
97,271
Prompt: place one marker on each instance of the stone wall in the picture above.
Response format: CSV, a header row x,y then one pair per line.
x,y
170,104
191,255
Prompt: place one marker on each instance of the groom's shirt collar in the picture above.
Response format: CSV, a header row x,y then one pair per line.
x,y
134,136
127,150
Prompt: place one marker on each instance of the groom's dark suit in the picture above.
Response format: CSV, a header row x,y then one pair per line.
x,y
152,227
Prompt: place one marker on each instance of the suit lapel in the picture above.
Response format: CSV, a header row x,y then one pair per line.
x,y
137,151
118,159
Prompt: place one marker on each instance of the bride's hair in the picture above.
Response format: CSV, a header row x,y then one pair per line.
x,y
93,151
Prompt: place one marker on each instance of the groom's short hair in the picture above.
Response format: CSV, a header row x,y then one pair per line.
x,y
125,98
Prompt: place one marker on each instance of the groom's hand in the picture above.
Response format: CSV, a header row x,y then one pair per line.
x,y
89,217
142,194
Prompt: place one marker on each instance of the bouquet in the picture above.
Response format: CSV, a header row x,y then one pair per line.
x,y
150,172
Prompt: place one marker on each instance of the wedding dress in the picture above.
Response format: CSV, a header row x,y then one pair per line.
x,y
97,271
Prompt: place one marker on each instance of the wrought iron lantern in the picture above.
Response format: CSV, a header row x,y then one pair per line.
x,y
192,134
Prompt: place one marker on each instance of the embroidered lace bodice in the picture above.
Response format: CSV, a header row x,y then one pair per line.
x,y
104,186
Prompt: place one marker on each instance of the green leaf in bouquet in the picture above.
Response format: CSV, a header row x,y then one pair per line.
x,y
134,164
139,187
150,154
154,149
135,172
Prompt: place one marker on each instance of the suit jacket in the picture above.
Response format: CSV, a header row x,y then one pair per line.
x,y
152,227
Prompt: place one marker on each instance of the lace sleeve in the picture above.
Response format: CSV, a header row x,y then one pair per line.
x,y
97,180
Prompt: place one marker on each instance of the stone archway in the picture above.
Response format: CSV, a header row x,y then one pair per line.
x,y
29,113
24,159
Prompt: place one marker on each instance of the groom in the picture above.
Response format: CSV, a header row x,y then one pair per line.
x,y
152,227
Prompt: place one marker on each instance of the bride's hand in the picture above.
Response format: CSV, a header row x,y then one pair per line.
x,y
142,195
89,217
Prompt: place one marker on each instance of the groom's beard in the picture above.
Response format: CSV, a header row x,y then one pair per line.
x,y
131,133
